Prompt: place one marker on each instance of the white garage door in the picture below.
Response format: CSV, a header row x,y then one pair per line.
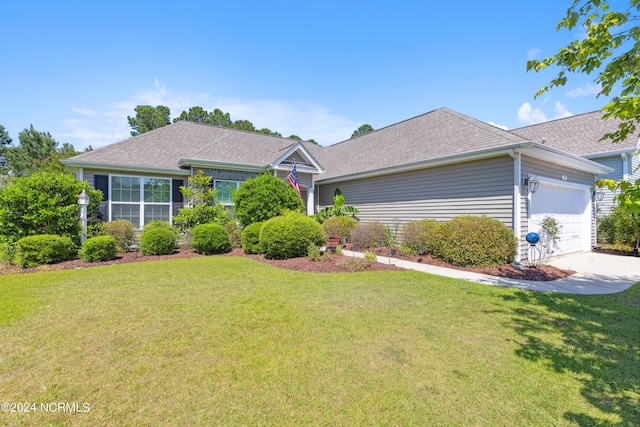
x,y
570,207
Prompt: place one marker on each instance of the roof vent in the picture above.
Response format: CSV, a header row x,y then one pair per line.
x,y
544,140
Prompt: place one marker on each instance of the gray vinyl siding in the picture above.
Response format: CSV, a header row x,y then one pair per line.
x,y
614,162
634,167
617,164
483,187
304,179
540,168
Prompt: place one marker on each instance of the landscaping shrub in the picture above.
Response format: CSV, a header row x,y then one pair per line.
x,y
339,226
188,218
251,238
210,239
475,241
32,251
7,252
100,248
264,197
421,232
289,235
203,206
156,223
121,230
367,234
235,233
44,203
616,228
157,241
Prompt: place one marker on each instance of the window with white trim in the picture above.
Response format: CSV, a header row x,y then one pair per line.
x,y
224,189
140,199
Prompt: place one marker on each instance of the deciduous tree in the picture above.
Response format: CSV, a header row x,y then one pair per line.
x,y
610,50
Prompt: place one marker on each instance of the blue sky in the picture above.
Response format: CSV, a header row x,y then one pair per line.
x,y
315,69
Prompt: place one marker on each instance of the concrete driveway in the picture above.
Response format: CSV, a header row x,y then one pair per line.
x,y
596,274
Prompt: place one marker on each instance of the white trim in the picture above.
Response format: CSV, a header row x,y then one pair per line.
x,y
311,198
225,180
125,169
517,209
574,186
304,153
80,174
528,148
141,203
625,167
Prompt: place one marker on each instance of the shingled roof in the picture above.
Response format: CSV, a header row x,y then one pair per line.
x,y
163,148
579,134
436,134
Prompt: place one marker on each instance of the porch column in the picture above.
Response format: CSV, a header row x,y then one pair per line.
x,y
310,200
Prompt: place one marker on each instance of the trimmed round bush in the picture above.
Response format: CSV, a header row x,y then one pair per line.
x,y
157,241
421,232
121,230
100,248
156,223
339,226
290,235
210,239
367,234
251,238
475,241
32,251
264,197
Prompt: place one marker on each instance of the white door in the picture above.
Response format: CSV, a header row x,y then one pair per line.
x,y
570,206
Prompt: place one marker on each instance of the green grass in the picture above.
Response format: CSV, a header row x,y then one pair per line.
x,y
230,341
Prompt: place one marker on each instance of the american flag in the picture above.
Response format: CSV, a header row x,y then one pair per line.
x,y
292,179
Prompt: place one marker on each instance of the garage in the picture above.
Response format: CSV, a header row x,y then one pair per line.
x,y
571,207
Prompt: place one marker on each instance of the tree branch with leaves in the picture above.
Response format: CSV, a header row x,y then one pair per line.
x,y
611,49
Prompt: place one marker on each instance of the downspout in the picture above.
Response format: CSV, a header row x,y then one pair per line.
x,y
625,167
517,214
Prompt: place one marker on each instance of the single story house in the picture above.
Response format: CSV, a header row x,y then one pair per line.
x,y
438,165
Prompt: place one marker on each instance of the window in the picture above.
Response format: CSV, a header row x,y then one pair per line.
x,y
223,190
136,198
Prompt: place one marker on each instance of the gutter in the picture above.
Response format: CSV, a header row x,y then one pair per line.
x,y
223,165
121,168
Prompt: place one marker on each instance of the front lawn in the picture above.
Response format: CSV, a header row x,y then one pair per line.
x,y
231,341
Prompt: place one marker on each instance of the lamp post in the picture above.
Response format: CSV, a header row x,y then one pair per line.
x,y
83,201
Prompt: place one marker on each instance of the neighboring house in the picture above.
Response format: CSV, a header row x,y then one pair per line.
x,y
141,177
580,135
438,165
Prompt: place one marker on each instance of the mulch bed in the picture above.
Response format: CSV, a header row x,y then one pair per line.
x,y
328,263
541,273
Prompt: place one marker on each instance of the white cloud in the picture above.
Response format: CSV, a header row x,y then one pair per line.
x,y
302,118
499,126
528,115
561,111
585,90
532,53
84,112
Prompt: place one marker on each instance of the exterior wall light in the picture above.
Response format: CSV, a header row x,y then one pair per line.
x,y
532,183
